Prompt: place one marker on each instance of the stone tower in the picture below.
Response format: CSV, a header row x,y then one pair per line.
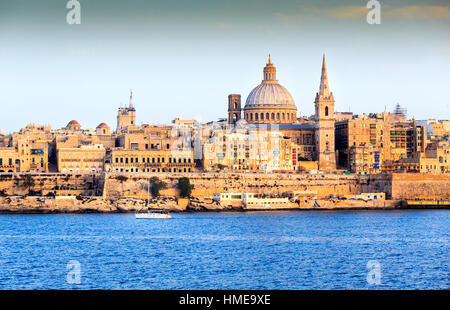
x,y
126,116
234,108
324,117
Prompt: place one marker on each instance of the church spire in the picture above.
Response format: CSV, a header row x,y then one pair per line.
x,y
324,90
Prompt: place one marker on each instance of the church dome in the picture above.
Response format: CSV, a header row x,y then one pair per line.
x,y
102,126
73,125
270,95
270,102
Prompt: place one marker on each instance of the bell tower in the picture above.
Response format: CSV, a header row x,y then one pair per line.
x,y
234,108
324,118
126,116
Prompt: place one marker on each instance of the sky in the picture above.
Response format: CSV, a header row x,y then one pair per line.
x,y
183,58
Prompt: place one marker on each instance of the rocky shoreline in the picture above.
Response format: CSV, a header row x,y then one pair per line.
x,y
94,204
72,204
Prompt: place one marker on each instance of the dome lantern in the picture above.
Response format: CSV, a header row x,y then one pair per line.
x,y
270,72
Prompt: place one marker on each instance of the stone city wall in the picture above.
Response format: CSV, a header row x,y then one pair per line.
x,y
55,183
206,184
421,186
134,185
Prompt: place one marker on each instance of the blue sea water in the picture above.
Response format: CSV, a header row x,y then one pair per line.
x,y
281,250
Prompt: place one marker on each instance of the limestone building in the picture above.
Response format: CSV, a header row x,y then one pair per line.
x,y
81,159
128,160
9,161
394,140
247,148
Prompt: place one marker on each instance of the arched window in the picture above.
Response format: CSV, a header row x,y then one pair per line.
x,y
251,116
327,146
278,115
326,111
283,115
256,116
267,115
262,116
273,116
235,105
287,115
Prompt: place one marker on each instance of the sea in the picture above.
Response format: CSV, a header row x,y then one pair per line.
x,y
407,249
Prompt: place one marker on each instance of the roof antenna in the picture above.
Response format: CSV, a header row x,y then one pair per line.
x,y
131,99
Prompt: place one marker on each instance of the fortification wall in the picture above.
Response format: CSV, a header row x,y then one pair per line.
x,y
56,183
134,185
420,186
205,184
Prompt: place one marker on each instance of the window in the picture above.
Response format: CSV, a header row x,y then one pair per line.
x,y
326,111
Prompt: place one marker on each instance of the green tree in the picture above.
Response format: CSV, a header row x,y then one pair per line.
x,y
28,182
121,179
156,185
185,187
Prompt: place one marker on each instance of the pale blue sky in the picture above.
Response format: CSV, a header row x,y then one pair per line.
x,y
182,58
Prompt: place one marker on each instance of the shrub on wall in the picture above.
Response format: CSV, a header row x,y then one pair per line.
x,y
185,187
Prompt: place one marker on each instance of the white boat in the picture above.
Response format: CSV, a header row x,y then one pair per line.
x,y
152,214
